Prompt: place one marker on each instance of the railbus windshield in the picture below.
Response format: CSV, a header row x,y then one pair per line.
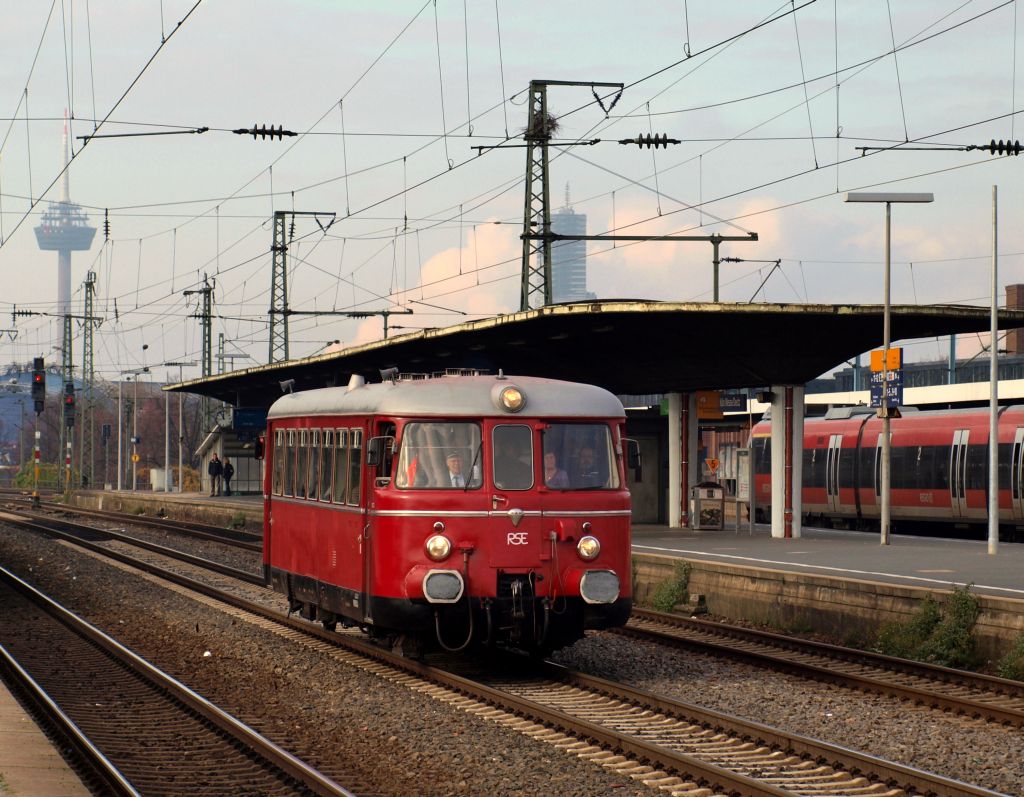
x,y
443,455
440,455
579,456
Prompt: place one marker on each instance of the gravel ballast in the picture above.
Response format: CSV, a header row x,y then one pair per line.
x,y
335,716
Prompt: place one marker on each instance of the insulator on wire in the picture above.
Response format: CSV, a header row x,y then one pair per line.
x,y
650,140
264,132
1003,147
106,225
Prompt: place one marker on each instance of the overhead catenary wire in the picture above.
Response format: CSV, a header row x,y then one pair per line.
x,y
346,170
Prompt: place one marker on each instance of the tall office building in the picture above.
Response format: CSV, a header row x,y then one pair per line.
x,y
569,258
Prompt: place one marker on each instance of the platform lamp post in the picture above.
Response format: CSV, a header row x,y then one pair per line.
x,y
134,372
181,430
888,198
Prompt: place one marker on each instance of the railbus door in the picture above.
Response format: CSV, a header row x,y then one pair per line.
x,y
878,473
835,448
958,472
1016,474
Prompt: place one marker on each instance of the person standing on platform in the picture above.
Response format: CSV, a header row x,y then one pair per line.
x,y
216,470
229,471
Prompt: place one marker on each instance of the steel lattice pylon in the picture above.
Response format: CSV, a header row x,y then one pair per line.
x,y
536,273
279,292
67,369
86,455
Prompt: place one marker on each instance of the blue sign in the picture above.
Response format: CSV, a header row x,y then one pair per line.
x,y
894,388
249,419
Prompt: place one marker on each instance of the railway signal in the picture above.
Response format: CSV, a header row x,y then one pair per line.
x,y
69,404
38,384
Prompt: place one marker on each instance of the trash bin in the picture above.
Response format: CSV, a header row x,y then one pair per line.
x,y
707,506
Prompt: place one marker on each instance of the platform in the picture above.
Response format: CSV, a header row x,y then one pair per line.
x,y
923,562
840,583
29,764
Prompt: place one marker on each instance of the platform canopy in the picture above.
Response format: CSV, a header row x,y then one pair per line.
x,y
627,347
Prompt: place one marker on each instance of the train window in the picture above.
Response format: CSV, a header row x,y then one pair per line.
x,y
355,463
289,463
279,452
341,467
579,456
314,465
301,464
513,457
439,455
326,465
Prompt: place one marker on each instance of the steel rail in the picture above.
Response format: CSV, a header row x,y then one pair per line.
x,y
911,779
234,537
311,778
97,763
921,695
41,524
672,761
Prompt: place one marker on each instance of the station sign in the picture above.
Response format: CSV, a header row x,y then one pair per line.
x,y
894,388
249,419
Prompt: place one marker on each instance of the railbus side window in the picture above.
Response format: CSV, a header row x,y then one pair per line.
x,y
314,465
355,462
279,452
289,463
341,467
326,464
302,463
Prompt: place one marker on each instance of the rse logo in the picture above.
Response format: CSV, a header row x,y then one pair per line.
x,y
518,538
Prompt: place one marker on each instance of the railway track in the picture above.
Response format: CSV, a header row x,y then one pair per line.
x,y
667,744
77,532
974,695
204,531
151,733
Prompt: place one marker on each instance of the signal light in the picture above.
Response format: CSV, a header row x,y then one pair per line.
x,y
69,404
38,384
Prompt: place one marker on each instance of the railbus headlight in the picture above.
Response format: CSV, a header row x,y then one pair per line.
x,y
438,547
512,399
588,548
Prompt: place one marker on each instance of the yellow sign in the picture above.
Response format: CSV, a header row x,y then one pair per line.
x,y
708,405
135,457
712,463
895,359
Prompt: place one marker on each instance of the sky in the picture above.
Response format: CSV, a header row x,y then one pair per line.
x,y
769,100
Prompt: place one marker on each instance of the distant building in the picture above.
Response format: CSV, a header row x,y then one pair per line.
x,y
569,258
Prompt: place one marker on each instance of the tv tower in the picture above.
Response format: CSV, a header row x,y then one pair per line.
x,y
64,229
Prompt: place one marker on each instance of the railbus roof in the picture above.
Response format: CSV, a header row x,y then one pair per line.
x,y
452,396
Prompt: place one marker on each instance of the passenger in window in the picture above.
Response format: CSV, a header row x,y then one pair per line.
x,y
510,472
554,476
455,475
586,473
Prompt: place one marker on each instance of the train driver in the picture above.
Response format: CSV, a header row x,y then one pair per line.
x,y
455,475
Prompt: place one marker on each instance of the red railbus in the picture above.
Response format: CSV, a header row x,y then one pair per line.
x,y
451,511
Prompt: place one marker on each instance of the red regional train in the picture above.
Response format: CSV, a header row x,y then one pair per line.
x,y
939,467
453,511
